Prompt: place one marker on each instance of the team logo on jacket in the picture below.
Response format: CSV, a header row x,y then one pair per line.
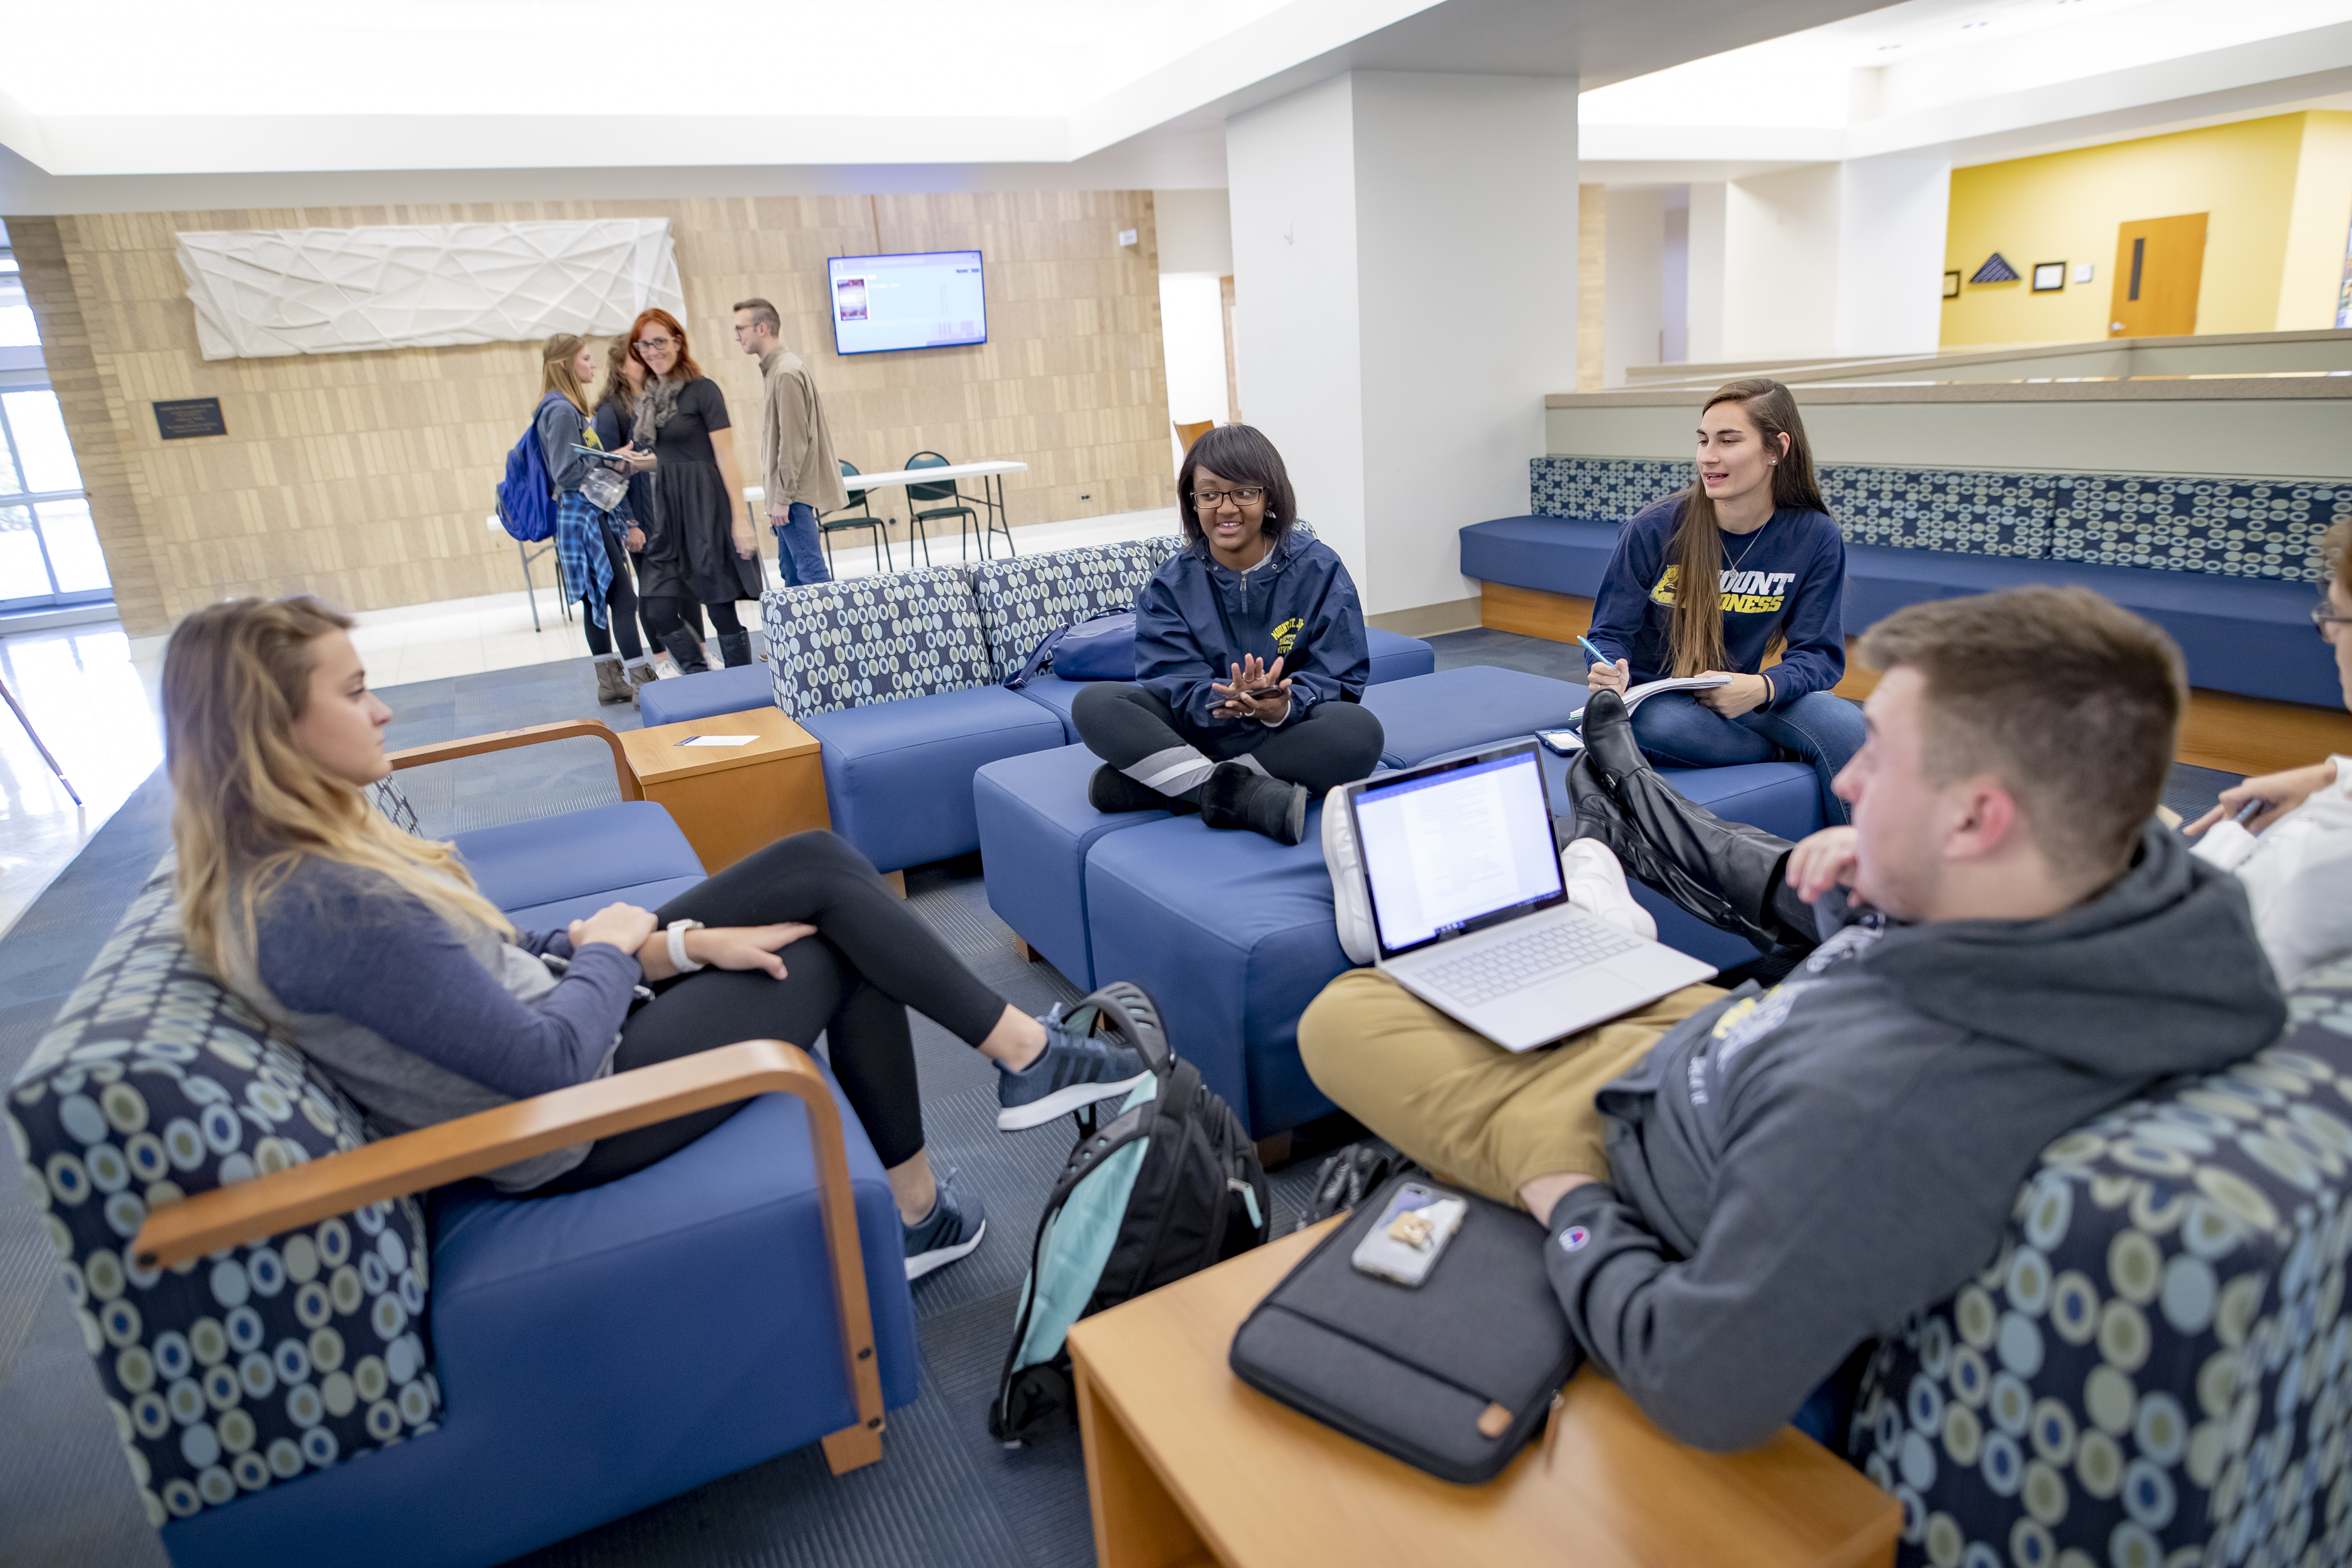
x,y
1287,633
1573,1239
1744,593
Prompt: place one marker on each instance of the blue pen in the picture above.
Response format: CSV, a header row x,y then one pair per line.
x,y
1598,657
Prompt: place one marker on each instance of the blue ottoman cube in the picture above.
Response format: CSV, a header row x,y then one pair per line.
x,y
898,775
1396,656
706,695
1035,828
1454,709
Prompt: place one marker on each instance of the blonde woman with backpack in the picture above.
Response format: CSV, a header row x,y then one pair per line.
x,y
588,545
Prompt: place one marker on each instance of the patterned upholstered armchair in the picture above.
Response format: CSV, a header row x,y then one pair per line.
x,y
2156,1371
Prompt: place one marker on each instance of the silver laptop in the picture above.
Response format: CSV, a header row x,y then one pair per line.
x,y
1469,910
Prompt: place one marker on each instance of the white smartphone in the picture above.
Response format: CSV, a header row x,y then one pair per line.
x,y
1562,743
1412,1235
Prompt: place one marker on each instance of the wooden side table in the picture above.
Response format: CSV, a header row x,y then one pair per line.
x,y
733,800
1187,1465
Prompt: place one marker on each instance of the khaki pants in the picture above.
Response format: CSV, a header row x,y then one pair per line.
x,y
1461,1105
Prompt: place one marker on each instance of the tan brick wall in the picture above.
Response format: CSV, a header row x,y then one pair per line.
x,y
365,477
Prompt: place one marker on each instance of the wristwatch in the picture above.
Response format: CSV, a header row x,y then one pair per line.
x,y
676,933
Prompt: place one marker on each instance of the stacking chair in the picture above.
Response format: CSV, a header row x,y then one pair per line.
x,y
863,517
1188,434
969,521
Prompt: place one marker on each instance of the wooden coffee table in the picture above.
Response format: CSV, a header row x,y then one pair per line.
x,y
733,800
1186,1464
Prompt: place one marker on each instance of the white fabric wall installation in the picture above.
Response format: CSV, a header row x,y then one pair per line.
x,y
265,292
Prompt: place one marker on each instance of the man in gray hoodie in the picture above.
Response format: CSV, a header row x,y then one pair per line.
x,y
2007,945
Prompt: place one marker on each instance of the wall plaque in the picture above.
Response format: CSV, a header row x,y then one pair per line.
x,y
184,417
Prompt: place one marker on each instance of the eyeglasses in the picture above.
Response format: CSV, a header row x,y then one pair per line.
x,y
2322,618
652,342
1210,500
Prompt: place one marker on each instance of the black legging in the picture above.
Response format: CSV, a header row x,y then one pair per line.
x,y
620,607
664,615
1135,732
870,961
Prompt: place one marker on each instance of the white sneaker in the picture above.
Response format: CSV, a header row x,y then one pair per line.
x,y
1596,884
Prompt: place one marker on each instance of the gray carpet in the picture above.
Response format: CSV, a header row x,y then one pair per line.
x,y
945,1494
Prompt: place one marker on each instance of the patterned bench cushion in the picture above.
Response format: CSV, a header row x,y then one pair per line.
x,y
2156,1370
254,1366
1026,598
862,641
2230,527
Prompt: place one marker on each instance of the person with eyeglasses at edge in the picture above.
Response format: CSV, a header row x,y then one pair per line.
x,y
1755,525
2297,870
700,548
1250,660
797,467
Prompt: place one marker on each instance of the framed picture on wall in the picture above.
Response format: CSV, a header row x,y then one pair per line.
x,y
2049,277
1952,285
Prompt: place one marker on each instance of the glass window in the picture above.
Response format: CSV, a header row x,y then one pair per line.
x,y
17,329
42,449
24,575
74,554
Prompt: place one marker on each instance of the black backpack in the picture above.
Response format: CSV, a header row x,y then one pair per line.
x,y
1171,1184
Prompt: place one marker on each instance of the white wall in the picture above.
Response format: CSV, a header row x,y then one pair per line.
x,y
1635,324
1196,231
1779,263
1400,371
1704,302
1673,304
1290,165
1892,214
1192,341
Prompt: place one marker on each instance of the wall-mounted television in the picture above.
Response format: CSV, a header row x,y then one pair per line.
x,y
931,300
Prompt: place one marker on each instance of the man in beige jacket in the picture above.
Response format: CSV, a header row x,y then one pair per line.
x,y
798,468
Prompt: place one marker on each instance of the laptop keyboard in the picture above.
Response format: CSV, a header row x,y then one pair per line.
x,y
1506,966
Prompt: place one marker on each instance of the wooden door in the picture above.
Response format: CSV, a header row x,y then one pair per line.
x,y
2158,261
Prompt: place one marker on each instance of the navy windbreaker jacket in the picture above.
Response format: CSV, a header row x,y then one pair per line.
x,y
1196,619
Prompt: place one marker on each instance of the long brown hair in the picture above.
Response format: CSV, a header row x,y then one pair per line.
x,y
555,372
1695,633
617,389
686,369
249,802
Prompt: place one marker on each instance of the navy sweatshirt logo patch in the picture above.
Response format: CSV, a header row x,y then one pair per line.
x,y
1287,633
1744,593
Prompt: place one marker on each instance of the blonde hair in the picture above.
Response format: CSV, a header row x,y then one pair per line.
x,y
251,805
555,372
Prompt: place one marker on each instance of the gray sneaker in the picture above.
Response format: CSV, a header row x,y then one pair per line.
x,y
1072,1072
949,1232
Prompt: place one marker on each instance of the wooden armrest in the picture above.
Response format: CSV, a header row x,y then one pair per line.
x,y
531,735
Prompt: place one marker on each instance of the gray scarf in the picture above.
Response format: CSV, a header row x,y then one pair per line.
x,y
655,407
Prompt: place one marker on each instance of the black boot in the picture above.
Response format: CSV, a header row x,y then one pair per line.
x,y
1728,873
735,648
1111,792
1238,796
686,650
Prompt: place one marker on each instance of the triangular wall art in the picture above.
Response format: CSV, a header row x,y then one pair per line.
x,y
1996,269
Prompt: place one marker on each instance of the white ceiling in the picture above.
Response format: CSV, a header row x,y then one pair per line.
x,y
1971,80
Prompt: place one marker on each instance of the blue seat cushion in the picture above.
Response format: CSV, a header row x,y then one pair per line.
x,y
898,775
601,1351
1054,694
1396,656
706,695
561,912
1430,716
2247,635
1035,828
551,860
1557,554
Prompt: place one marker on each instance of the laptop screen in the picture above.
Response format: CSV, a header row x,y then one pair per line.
x,y
1448,850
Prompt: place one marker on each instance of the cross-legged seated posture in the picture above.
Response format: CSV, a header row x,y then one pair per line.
x,y
1755,531
375,952
1250,659
1742,1188
2298,873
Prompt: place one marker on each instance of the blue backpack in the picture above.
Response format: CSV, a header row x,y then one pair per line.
x,y
526,494
1100,647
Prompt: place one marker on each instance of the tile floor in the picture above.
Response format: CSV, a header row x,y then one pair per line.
x,y
90,690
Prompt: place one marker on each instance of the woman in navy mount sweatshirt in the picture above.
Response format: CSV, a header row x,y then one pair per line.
x,y
1755,527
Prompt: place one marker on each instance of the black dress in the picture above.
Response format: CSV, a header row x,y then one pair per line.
x,y
690,545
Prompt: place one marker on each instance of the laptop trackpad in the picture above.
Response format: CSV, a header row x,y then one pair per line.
x,y
1540,1014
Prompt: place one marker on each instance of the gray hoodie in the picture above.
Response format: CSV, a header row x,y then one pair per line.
x,y
1797,1171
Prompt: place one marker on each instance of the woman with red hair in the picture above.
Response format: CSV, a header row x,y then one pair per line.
x,y
699,547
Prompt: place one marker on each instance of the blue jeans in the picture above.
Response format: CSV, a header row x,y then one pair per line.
x,y
800,553
1819,728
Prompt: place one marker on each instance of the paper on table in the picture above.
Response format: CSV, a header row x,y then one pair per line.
x,y
719,739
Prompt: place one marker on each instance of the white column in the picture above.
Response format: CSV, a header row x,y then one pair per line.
x,y
1702,305
1892,215
1637,270
1835,260
1404,271
1779,263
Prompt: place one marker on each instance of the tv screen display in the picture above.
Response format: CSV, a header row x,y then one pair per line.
x,y
928,301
